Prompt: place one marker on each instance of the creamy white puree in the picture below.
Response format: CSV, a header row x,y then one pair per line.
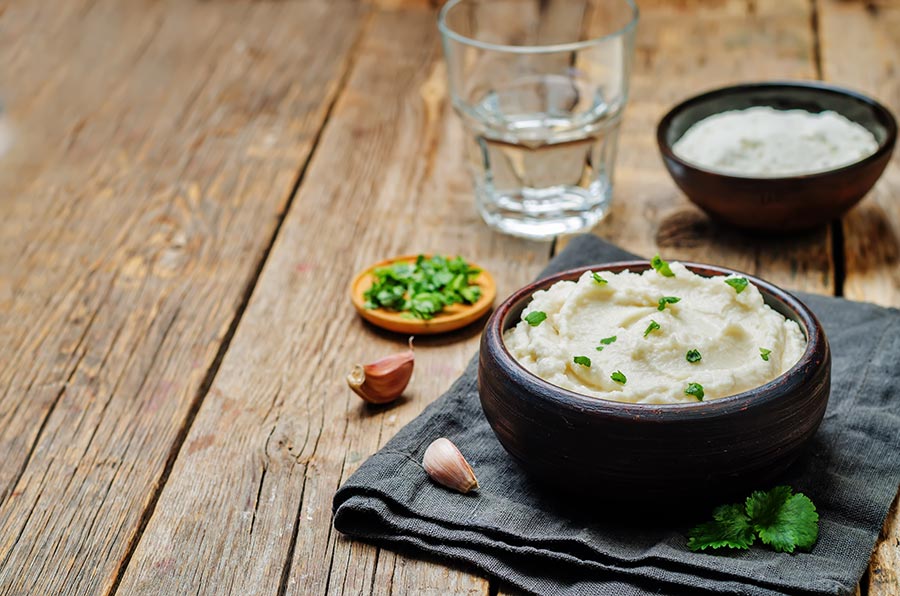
x,y
763,142
727,328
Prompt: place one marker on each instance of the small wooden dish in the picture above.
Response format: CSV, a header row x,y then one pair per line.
x,y
452,317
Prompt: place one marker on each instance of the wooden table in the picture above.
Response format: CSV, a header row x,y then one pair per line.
x,y
186,190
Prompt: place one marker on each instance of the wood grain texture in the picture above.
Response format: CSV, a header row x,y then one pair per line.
x,y
684,48
860,48
280,430
152,147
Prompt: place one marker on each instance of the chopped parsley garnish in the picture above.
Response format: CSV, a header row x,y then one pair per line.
x,y
606,341
695,389
662,267
738,283
764,354
693,356
667,300
599,279
422,289
653,326
582,360
535,317
618,377
781,519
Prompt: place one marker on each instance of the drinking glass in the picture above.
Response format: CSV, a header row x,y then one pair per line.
x,y
540,86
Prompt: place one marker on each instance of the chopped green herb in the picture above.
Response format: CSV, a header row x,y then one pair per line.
x,y
582,360
764,354
618,377
599,348
783,520
599,279
695,389
608,340
423,288
693,356
662,267
738,283
535,317
667,300
653,326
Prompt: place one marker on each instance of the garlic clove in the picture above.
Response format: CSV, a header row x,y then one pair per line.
x,y
447,466
383,380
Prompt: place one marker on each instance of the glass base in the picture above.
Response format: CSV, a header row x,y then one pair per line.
x,y
542,214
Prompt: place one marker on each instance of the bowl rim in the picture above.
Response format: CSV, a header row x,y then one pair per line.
x,y
884,147
801,370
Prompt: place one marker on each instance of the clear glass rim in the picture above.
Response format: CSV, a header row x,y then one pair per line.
x,y
544,49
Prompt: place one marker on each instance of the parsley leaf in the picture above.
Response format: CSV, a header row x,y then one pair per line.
x,y
693,356
667,300
618,377
535,317
653,326
608,340
730,528
695,389
661,267
599,279
582,360
764,354
423,288
738,283
783,520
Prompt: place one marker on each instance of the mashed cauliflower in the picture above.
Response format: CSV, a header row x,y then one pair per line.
x,y
596,335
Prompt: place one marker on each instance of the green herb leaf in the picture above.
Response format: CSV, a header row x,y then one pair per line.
x,y
608,340
618,377
535,317
599,279
693,356
695,389
738,283
582,360
653,326
662,267
730,528
667,300
783,520
764,354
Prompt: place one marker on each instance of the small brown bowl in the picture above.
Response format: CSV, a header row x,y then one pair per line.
x,y
788,202
640,452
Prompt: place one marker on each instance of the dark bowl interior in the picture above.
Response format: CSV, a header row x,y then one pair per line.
x,y
695,452
789,202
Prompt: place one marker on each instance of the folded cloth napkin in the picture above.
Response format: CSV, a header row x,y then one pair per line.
x,y
513,530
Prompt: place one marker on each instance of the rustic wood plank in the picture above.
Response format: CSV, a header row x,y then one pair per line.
x,y
280,430
683,48
154,146
860,47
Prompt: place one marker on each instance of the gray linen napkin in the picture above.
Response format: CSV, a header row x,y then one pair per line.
x,y
513,530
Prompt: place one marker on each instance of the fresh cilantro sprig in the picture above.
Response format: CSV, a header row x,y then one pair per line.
x,y
424,288
780,518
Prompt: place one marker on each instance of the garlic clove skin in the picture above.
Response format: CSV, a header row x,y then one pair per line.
x,y
384,380
447,466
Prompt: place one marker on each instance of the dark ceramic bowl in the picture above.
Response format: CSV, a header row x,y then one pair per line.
x,y
604,449
789,202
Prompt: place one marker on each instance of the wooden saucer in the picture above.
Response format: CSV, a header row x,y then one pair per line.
x,y
450,318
